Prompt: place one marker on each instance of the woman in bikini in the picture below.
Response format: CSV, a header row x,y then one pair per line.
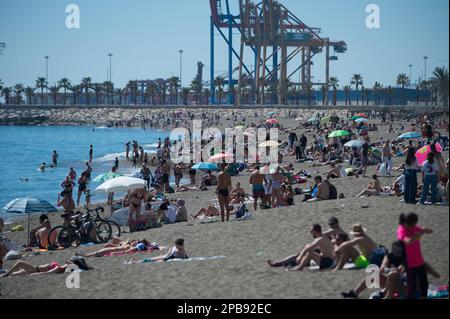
x,y
22,268
237,195
118,246
135,199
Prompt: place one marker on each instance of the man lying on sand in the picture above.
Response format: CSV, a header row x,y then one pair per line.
x,y
299,261
175,252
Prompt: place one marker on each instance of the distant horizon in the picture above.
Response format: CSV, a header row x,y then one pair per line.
x,y
35,30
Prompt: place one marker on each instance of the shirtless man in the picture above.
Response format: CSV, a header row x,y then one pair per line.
x,y
373,189
178,171
323,190
276,181
366,247
223,192
42,235
91,153
299,261
55,158
165,169
257,181
334,230
127,151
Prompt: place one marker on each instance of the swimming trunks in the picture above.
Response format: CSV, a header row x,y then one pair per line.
x,y
361,262
165,178
82,187
224,192
326,262
258,191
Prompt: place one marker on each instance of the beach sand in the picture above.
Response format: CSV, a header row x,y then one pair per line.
x,y
246,245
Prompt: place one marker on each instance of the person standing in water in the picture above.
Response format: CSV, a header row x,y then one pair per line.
x,y
91,153
116,163
72,174
55,158
223,192
127,151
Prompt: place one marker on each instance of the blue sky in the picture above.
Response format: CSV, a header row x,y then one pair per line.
x,y
145,36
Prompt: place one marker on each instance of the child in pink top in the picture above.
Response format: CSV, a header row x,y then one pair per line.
x,y
410,234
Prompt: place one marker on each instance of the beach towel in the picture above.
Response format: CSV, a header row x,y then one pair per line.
x,y
149,250
435,292
149,260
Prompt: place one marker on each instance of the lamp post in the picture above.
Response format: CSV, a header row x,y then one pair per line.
x,y
110,67
46,76
181,71
425,58
410,73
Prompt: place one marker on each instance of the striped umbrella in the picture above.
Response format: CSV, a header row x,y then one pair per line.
x,y
106,177
422,153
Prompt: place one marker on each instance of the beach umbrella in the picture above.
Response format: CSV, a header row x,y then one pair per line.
x,y
272,121
206,166
325,120
272,113
106,177
354,118
268,144
361,120
219,157
361,115
240,127
28,205
409,135
422,153
340,133
121,184
354,143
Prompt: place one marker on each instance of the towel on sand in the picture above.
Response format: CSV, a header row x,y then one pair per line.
x,y
149,260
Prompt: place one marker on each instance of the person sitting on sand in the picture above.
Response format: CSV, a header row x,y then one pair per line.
x,y
118,248
351,256
22,268
366,246
321,190
238,194
6,245
299,261
392,273
181,213
335,171
335,228
42,235
177,251
373,189
32,242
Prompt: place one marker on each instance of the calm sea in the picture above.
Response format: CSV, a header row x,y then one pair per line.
x,y
23,149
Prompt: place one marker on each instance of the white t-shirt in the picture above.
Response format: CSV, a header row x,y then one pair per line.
x,y
430,169
401,181
171,214
7,244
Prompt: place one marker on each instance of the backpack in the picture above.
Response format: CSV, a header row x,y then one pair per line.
x,y
378,255
241,211
332,190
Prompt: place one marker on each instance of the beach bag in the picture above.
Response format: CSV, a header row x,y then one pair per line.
x,y
378,255
241,212
332,190
13,255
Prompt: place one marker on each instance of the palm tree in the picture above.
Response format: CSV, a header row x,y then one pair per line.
x,y
98,90
197,87
347,90
334,82
108,88
425,86
404,81
133,89
65,85
152,91
283,91
18,91
377,87
173,89
1,86
161,86
118,92
41,84
29,92
6,92
185,95
357,80
219,81
207,94
367,94
440,81
77,90
54,91
86,84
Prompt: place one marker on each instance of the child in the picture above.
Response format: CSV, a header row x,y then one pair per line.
x,y
410,234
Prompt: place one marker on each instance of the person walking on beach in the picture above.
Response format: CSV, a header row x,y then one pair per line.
x,y
82,186
223,192
411,167
387,156
72,174
146,175
257,181
91,153
430,178
127,151
165,179
55,157
178,172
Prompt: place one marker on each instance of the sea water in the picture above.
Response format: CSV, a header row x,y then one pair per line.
x,y
24,148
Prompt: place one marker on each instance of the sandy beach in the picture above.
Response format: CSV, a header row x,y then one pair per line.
x,y
246,245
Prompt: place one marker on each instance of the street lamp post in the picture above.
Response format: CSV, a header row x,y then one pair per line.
x,y
181,72
110,67
46,76
425,58
410,73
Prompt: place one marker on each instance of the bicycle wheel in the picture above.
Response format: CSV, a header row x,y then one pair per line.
x,y
115,229
104,231
60,236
